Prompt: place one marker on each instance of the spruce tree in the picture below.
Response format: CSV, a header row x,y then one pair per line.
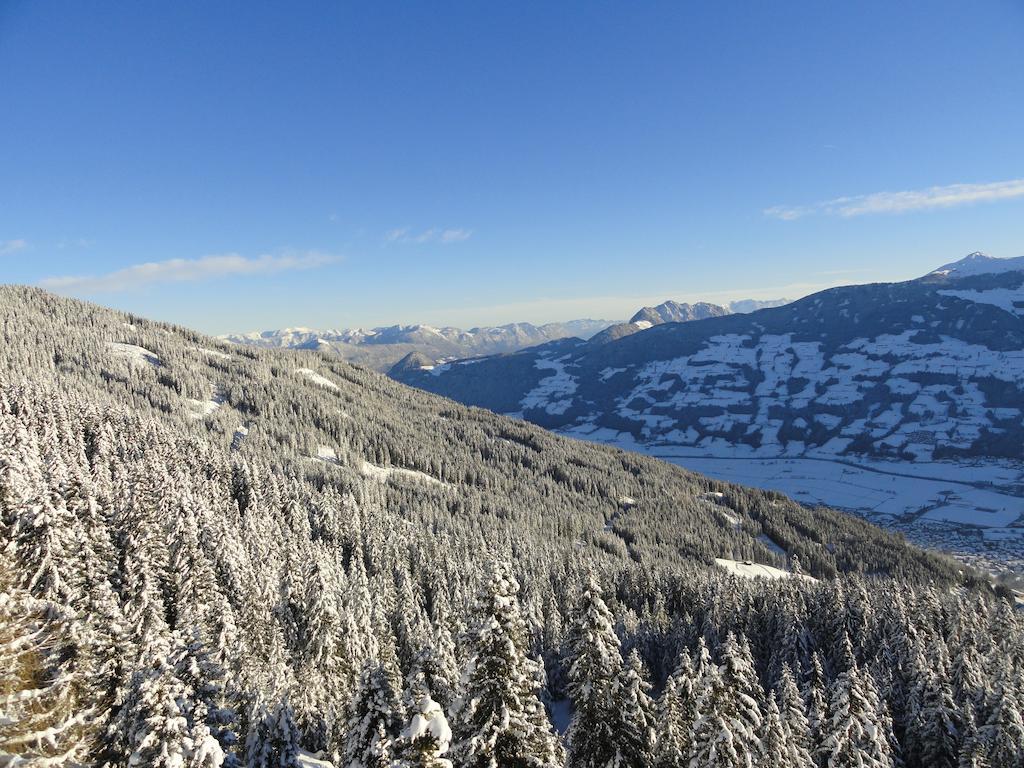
x,y
794,720
498,719
674,716
594,669
634,716
855,735
375,718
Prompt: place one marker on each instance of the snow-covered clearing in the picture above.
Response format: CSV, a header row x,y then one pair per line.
x,y
203,408
316,378
215,353
383,474
752,570
1009,299
326,453
773,546
135,355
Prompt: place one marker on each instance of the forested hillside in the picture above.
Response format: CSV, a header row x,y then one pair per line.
x,y
231,556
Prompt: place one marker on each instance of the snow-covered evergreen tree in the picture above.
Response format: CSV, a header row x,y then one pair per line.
x,y
675,710
498,719
426,739
375,719
273,740
855,735
634,716
594,669
794,719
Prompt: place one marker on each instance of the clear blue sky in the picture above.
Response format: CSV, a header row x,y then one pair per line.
x,y
330,164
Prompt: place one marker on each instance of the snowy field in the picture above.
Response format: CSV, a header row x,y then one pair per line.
x,y
383,474
316,378
135,355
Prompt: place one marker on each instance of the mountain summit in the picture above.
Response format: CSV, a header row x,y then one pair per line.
x,y
978,263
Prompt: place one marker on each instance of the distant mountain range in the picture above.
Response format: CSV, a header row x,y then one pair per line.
x,y
910,373
381,348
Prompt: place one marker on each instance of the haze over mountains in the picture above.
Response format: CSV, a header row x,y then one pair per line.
x,y
903,373
382,347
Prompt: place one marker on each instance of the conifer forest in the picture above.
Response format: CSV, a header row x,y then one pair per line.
x,y
230,556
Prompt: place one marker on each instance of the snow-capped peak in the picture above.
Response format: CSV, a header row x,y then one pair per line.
x,y
979,263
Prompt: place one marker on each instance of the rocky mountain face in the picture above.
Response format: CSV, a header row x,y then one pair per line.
x,y
667,312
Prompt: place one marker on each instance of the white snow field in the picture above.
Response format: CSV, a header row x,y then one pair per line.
x,y
939,414
383,474
215,353
133,354
316,378
751,570
203,408
326,453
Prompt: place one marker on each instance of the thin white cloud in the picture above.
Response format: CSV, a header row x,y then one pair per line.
x,y
184,271
903,202
434,235
12,246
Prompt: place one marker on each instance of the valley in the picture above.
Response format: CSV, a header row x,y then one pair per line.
x,y
901,403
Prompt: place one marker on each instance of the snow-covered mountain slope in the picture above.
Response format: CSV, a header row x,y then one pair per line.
x,y
978,263
915,372
381,348
377,437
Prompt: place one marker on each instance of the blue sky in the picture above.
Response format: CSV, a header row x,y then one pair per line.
x,y
233,166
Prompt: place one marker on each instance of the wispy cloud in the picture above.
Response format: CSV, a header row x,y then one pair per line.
x,y
184,271
903,202
436,235
8,247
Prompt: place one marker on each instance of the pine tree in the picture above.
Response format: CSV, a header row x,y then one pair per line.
x,y
855,735
794,720
729,715
374,720
158,731
45,713
775,745
633,712
273,740
595,666
498,719
674,716
939,720
815,695
1003,731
